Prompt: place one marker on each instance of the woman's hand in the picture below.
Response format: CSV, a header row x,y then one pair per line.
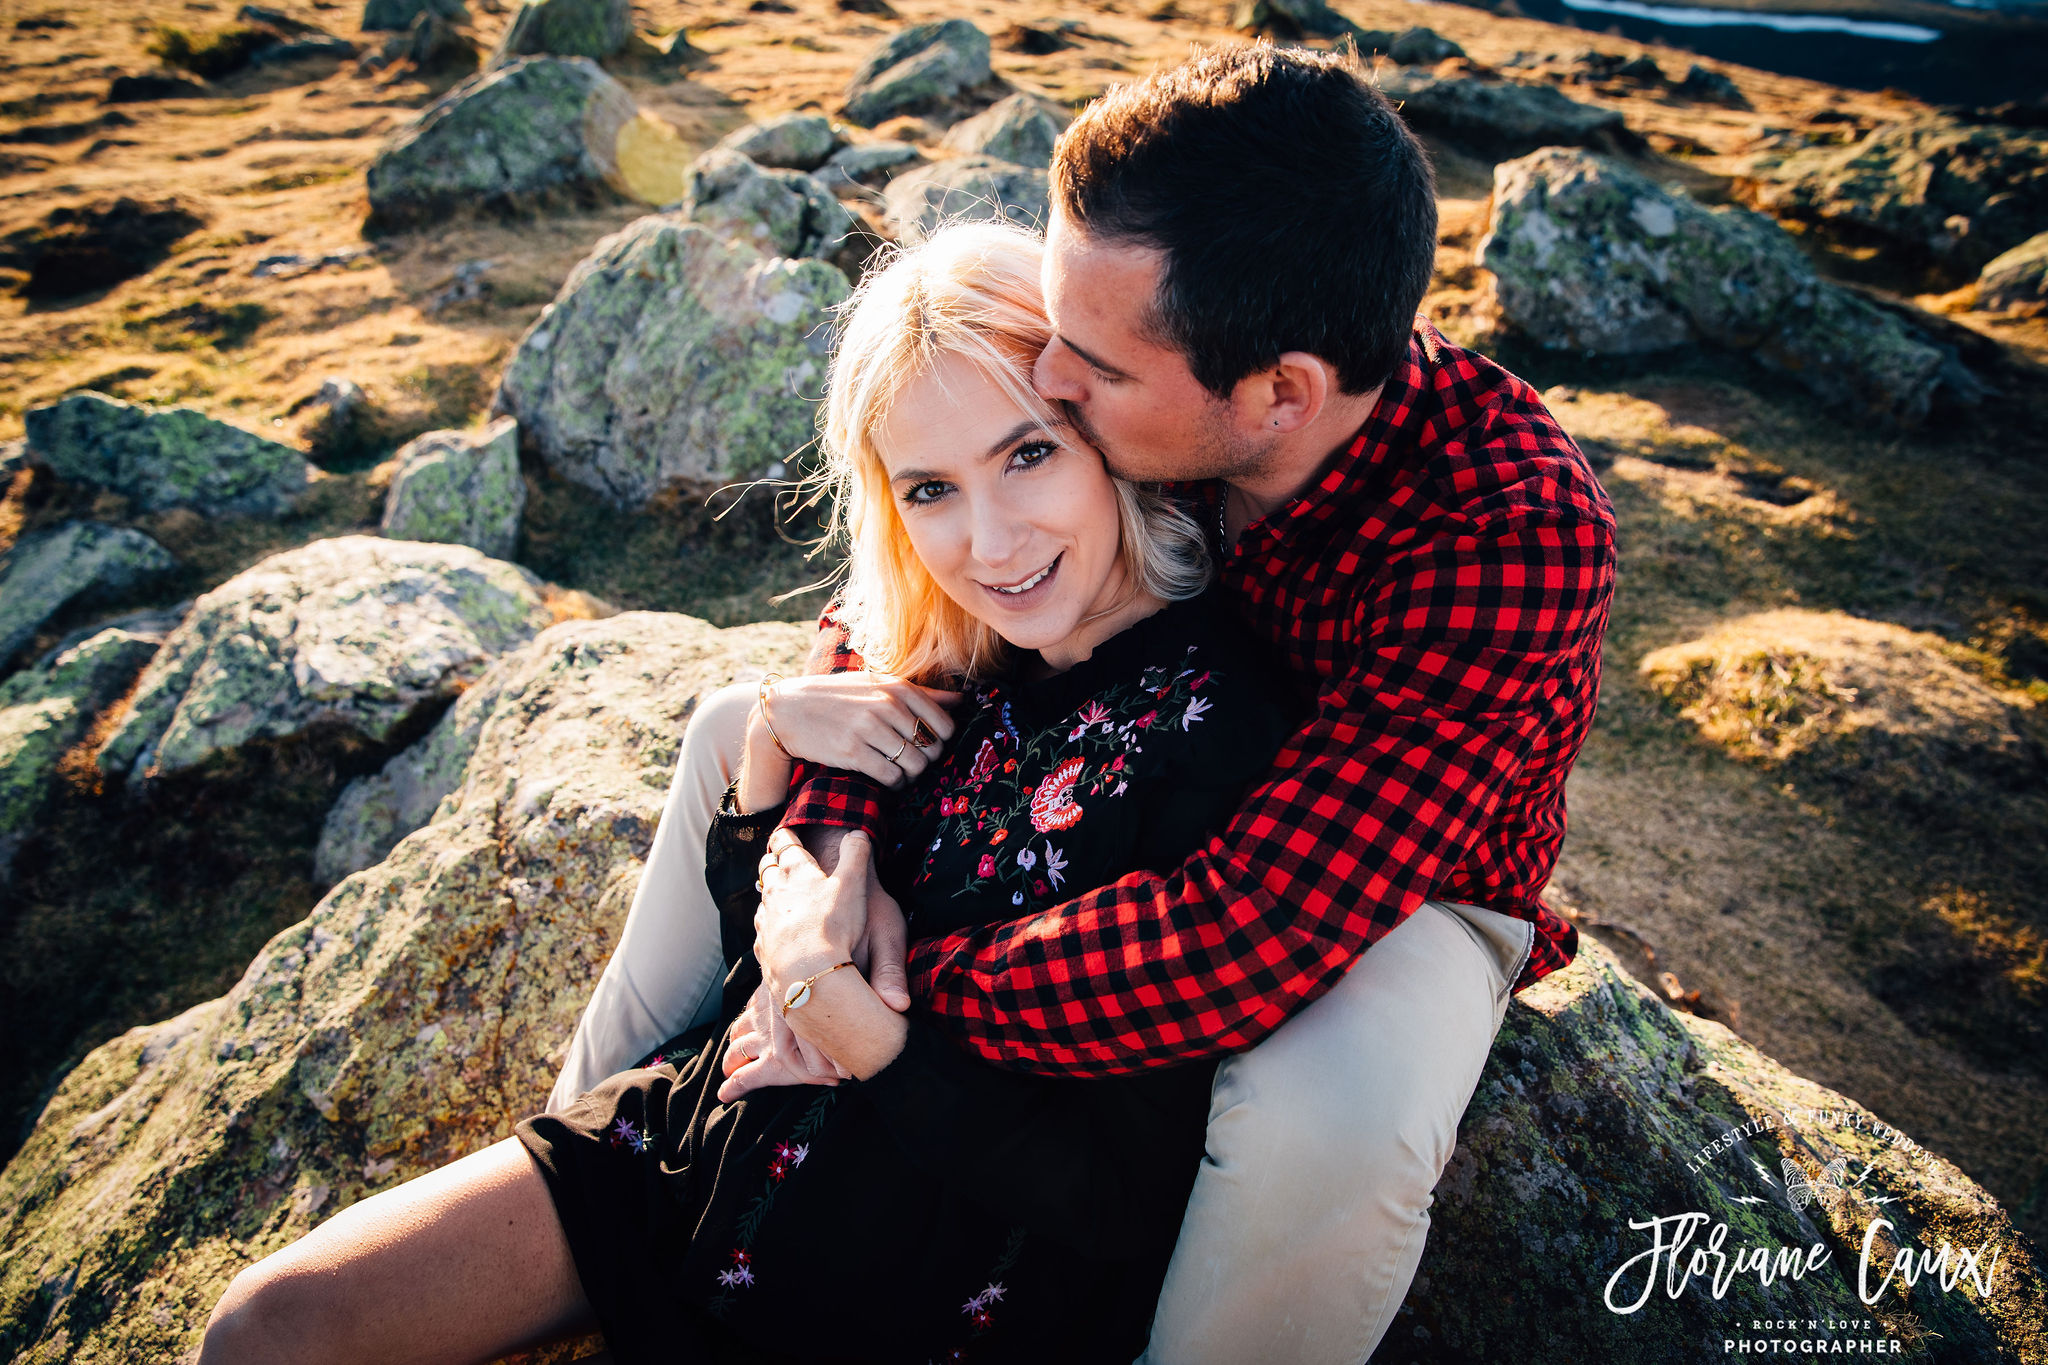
x,y
862,722
762,1052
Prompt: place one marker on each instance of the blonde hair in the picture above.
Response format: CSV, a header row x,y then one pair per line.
x,y
969,289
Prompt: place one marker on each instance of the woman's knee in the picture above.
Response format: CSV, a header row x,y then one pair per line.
x,y
270,1313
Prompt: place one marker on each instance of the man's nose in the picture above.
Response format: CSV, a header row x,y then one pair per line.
x,y
1056,376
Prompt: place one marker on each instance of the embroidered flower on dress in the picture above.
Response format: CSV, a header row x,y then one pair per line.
x,y
1026,859
984,762
1052,805
988,866
1196,706
1055,864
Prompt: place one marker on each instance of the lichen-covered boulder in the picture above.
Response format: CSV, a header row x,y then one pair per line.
x,y
1960,193
797,142
512,140
672,358
2018,278
966,187
1018,128
1294,19
160,458
566,28
1605,1122
917,70
861,166
355,631
459,488
1588,255
1502,118
78,561
411,1018
777,212
398,16
45,709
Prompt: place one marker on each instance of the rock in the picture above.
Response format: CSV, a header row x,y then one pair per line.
x,y
79,561
920,68
1588,255
1502,118
355,632
1642,70
434,45
415,1014
1292,19
1954,192
160,458
1600,1105
459,488
798,142
508,141
566,28
864,165
335,419
777,212
44,710
1018,128
968,187
421,1009
83,247
399,16
304,49
153,85
1701,83
2017,279
673,358
1422,47
1033,41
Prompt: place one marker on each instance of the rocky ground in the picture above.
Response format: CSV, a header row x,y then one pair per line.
x,y
1807,823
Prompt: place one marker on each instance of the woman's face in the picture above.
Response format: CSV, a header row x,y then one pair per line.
x,y
1015,520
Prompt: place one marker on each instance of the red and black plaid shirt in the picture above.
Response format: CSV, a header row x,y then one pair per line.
x,y
1446,585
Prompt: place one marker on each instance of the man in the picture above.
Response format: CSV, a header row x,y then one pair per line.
x,y
1235,253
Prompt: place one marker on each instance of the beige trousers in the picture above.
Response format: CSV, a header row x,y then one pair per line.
x,y
1325,1141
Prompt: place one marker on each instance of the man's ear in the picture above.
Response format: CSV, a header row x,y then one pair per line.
x,y
1286,396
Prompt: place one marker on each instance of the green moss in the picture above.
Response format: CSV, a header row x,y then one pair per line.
x,y
209,55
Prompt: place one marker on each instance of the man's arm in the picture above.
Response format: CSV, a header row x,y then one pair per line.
x,y
1478,651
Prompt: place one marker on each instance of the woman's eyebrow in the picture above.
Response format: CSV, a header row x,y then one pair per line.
x,y
1002,443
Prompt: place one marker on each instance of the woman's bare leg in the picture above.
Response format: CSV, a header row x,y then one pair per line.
x,y
463,1264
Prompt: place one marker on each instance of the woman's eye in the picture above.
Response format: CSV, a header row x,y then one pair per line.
x,y
931,490
1033,453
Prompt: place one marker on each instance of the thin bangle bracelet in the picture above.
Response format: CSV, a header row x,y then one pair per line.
x,y
768,680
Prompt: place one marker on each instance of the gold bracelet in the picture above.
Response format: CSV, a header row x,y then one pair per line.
x,y
769,680
799,993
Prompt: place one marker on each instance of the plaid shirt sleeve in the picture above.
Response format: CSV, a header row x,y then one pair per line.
x,y
828,796
1475,640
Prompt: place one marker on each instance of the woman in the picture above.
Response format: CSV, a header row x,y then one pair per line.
x,y
929,1206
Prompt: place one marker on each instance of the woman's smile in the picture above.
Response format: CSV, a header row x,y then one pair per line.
x,y
1030,591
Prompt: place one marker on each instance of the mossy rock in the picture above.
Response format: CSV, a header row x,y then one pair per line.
x,y
918,70
967,187
1019,128
160,458
1503,118
775,211
673,358
2018,278
77,561
797,142
356,632
567,28
459,488
1588,255
511,141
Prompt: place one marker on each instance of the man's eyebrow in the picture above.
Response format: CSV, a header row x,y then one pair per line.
x,y
1001,444
1102,365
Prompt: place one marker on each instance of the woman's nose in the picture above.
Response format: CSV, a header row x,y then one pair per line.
x,y
1057,375
999,536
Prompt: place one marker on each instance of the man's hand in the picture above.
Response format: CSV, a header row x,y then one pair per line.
x,y
880,950
763,1052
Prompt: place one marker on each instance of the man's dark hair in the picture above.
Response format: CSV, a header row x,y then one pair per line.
x,y
1295,209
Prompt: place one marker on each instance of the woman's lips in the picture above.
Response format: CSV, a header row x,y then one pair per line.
x,y
1033,595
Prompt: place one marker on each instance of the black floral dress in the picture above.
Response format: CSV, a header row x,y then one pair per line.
x,y
944,1209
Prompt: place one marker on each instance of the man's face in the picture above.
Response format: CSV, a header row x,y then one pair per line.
x,y
1133,398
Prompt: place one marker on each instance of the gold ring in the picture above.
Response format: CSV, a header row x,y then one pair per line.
x,y
922,735
899,749
758,888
